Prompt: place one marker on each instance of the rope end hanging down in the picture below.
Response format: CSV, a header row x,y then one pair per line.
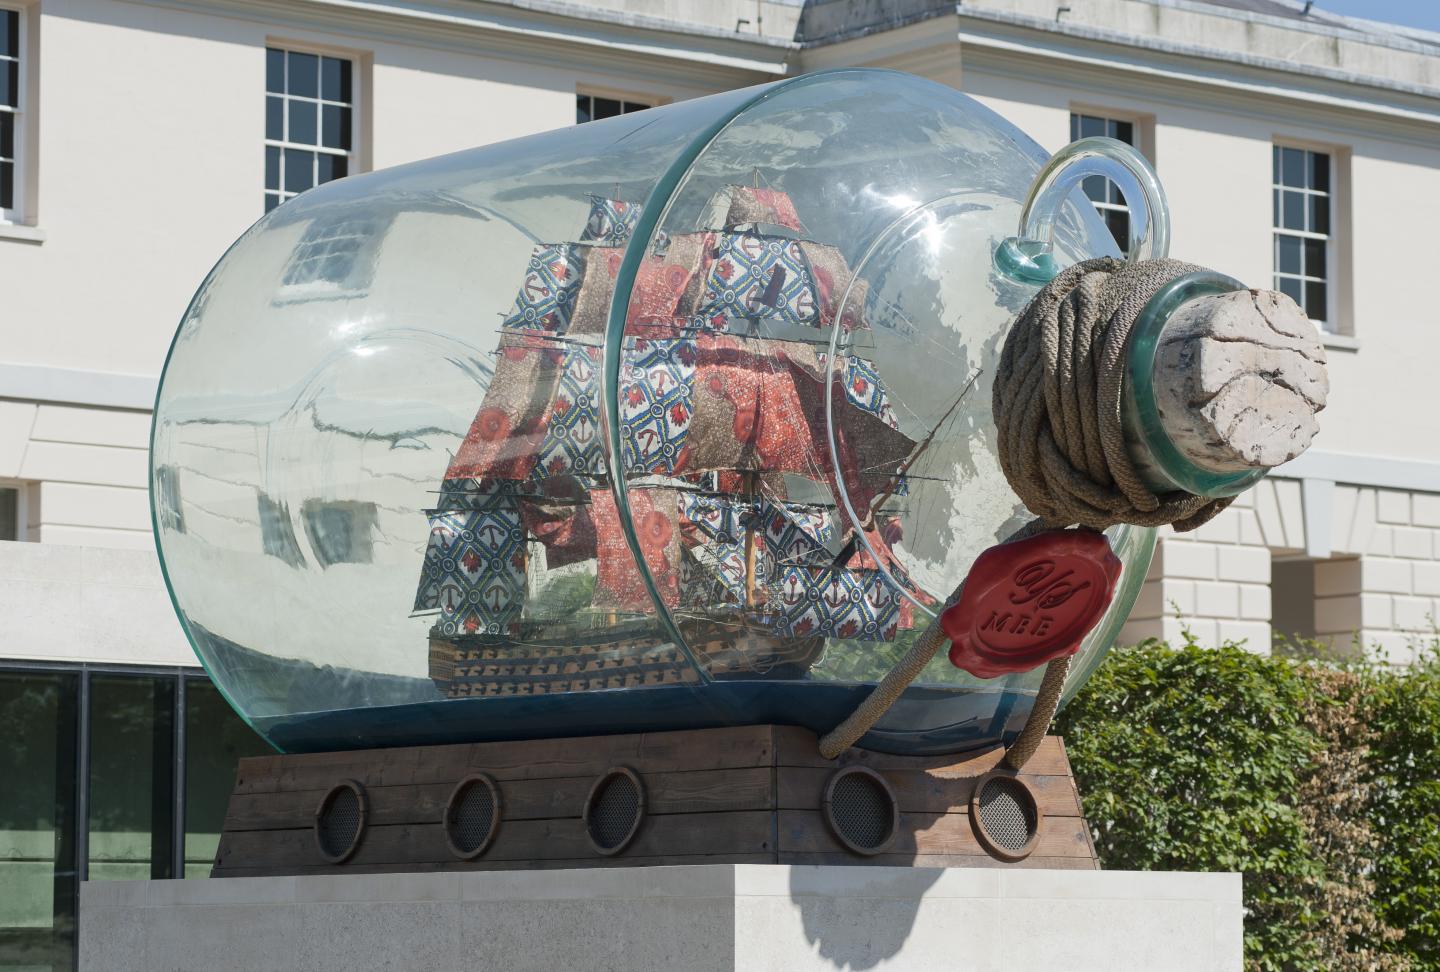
x,y
1245,379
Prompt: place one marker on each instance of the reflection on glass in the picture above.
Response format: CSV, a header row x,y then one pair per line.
x,y
131,765
37,826
215,740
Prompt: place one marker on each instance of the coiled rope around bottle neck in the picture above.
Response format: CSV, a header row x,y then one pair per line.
x,y
1058,400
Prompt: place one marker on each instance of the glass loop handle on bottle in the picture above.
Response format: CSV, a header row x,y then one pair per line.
x,y
1029,256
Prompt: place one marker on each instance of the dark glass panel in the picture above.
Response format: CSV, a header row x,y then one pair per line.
x,y
272,168
303,129
1090,126
582,109
37,820
1292,167
1095,188
1287,254
1292,288
299,170
10,83
275,119
1119,222
1275,164
1293,216
1074,126
1315,300
634,106
10,33
1314,258
271,201
274,71
335,133
302,75
132,762
1320,171
1116,196
9,513
1275,207
7,185
7,135
1320,214
215,739
335,79
1125,132
332,167
606,107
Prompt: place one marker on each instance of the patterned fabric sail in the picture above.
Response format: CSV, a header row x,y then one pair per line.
x,y
474,571
611,221
547,297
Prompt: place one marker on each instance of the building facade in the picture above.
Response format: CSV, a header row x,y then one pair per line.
x,y
138,138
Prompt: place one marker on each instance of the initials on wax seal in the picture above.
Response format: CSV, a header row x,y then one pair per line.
x,y
1030,601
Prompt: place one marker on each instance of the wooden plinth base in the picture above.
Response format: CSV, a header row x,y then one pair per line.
x,y
751,794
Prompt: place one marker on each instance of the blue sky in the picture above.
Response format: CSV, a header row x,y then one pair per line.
x,y
1424,14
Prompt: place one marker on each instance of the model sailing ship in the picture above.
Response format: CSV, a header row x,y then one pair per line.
x,y
722,420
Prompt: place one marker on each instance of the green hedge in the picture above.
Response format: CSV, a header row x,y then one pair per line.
x,y
1320,782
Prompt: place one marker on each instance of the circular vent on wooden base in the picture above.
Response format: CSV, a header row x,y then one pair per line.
x,y
613,810
340,821
861,810
472,816
1005,817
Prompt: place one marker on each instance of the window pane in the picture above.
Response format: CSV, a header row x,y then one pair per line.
x,y
132,739
303,75
7,185
271,201
335,79
1275,164
1314,258
10,33
9,514
1090,125
582,109
332,167
1275,207
1320,214
1293,216
10,83
275,119
215,739
1287,254
1291,288
299,170
1119,222
1095,188
7,135
1320,171
272,167
606,107
1292,167
1315,300
1125,132
337,128
1074,127
274,70
37,820
634,106
302,128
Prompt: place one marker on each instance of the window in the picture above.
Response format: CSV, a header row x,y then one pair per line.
x,y
100,782
309,122
1102,192
277,533
339,532
334,258
167,499
1301,216
9,513
10,127
595,107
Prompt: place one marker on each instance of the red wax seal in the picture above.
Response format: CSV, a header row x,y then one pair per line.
x,y
1030,601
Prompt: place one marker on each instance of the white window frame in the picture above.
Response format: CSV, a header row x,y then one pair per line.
x,y
358,156
21,210
1142,133
1336,319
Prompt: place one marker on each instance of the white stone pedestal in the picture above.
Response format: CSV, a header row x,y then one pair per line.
x,y
751,917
